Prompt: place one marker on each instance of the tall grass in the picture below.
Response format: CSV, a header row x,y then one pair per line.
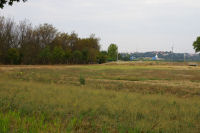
x,y
52,100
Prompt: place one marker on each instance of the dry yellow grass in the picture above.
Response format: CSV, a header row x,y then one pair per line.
x,y
116,98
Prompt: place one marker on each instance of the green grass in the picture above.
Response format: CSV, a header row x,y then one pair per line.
x,y
115,98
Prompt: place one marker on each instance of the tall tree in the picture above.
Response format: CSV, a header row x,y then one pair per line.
x,y
8,36
196,44
43,44
112,52
45,34
10,2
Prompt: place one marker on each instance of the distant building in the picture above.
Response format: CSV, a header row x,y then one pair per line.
x,y
132,58
155,58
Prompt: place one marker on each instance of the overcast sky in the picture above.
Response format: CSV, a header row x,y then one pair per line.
x,y
134,25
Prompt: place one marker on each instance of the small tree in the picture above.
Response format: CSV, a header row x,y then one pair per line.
x,y
196,45
102,57
112,52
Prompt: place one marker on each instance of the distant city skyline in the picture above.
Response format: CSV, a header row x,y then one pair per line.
x,y
134,25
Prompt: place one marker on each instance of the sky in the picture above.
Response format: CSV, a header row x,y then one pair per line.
x,y
134,25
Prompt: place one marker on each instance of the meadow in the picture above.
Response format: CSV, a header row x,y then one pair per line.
x,y
137,97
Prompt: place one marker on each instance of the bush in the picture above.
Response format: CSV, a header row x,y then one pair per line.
x,y
102,57
82,80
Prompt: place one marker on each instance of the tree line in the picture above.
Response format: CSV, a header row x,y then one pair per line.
x,y
24,44
21,43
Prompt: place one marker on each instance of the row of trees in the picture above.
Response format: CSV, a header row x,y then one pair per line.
x,y
24,44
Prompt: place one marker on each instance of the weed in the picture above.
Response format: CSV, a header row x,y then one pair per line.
x,y
4,124
82,80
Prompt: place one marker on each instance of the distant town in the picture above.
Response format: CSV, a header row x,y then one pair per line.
x,y
159,55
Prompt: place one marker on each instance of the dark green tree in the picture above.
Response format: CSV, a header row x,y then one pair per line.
x,y
85,56
67,56
58,55
112,52
196,44
10,2
102,57
13,56
45,55
77,57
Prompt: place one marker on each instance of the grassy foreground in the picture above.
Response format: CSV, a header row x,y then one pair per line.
x,y
116,98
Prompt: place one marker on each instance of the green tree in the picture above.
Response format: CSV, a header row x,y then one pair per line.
x,y
58,55
10,2
45,55
102,57
13,56
85,55
67,56
196,44
112,52
77,57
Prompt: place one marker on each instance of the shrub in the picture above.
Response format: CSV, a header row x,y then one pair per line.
x,y
82,80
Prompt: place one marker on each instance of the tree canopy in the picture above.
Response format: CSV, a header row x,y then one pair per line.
x,y
21,43
112,52
10,2
196,44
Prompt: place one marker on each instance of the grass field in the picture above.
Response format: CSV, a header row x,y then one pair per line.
x,y
139,97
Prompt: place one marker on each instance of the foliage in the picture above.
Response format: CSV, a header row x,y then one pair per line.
x,y
67,56
196,44
13,56
102,57
44,44
112,52
45,55
58,55
10,2
82,80
85,56
77,56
